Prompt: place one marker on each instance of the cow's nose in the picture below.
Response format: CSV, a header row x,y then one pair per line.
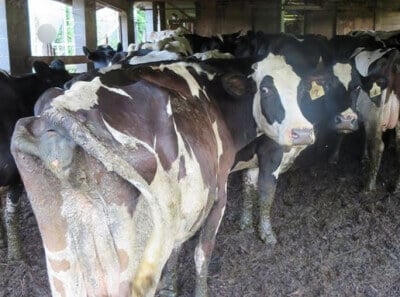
x,y
346,123
303,136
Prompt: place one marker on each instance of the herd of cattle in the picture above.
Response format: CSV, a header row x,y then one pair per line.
x,y
125,163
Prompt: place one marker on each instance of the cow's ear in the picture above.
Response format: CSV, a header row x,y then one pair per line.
x,y
57,64
382,82
119,47
86,51
236,84
396,67
42,69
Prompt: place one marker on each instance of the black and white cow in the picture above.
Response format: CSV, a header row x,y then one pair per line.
x,y
377,104
18,96
103,55
326,96
136,161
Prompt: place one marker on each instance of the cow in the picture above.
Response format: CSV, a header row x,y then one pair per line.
x,y
326,95
18,97
103,55
136,161
377,104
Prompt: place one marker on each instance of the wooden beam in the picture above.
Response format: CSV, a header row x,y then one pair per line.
x,y
180,10
19,44
66,59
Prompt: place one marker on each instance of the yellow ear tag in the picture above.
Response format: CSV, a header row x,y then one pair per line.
x,y
316,91
375,90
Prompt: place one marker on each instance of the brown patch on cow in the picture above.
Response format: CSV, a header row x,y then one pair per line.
x,y
111,186
58,266
182,168
46,201
167,79
59,286
123,260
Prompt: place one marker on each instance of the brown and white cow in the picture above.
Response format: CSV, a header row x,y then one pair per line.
x,y
121,170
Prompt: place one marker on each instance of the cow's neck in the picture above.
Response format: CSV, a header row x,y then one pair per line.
x,y
239,118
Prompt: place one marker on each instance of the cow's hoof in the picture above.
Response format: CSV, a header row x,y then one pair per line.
x,y
266,234
246,221
167,293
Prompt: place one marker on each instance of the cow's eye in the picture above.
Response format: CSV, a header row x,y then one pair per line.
x,y
265,90
358,88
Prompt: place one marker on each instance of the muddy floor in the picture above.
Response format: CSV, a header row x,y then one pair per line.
x,y
333,240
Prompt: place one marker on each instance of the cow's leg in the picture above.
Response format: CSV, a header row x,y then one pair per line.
x,y
2,235
374,149
12,222
170,275
270,158
397,186
206,243
250,192
334,156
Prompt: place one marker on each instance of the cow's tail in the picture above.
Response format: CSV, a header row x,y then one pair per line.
x,y
148,269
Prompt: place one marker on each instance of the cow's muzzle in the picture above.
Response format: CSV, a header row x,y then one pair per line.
x,y
303,136
346,123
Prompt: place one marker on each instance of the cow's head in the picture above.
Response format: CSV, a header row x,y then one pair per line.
x,y
53,75
275,107
102,55
325,97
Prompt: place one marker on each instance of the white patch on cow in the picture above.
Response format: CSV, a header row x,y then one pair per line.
x,y
343,72
126,140
365,58
155,56
218,140
286,82
199,259
349,113
181,69
83,95
169,108
220,220
390,111
109,68
220,37
252,163
288,159
213,54
251,176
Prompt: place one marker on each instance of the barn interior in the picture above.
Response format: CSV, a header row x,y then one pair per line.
x,y
333,239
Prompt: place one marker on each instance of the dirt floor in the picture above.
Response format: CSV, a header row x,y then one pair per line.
x,y
333,240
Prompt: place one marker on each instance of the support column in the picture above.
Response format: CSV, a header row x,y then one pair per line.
x,y
163,20
155,16
127,26
206,17
19,44
4,54
84,12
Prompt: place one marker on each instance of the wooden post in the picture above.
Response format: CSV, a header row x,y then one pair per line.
x,y
155,16
4,55
127,26
84,12
163,21
19,43
206,17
